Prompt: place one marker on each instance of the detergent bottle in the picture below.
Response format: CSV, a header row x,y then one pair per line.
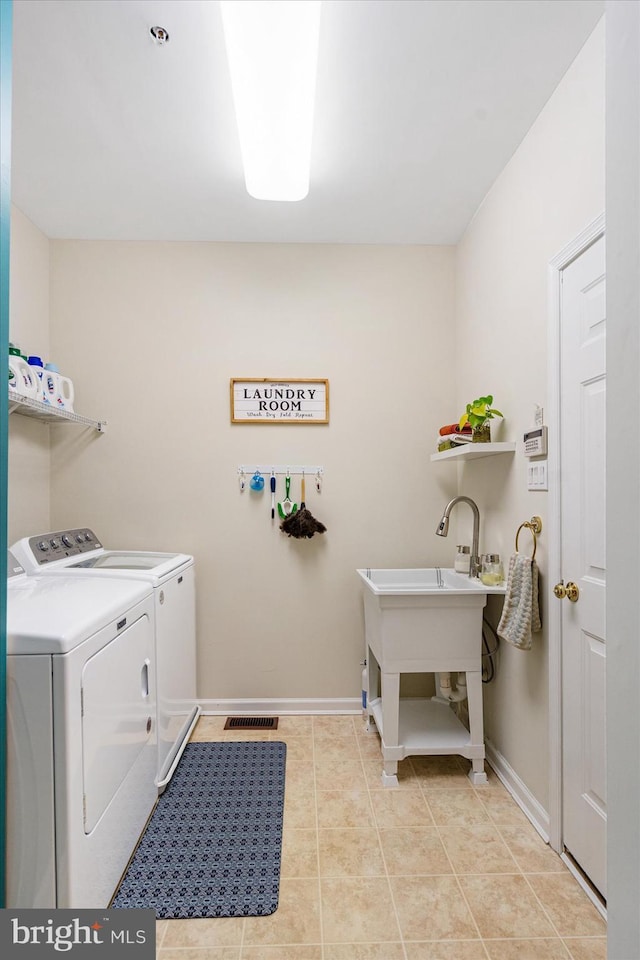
x,y
24,380
59,387
51,385
37,368
13,352
65,392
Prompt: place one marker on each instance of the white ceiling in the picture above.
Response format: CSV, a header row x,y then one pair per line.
x,y
420,104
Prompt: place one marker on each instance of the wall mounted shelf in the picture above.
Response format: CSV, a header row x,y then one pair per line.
x,y
474,451
27,407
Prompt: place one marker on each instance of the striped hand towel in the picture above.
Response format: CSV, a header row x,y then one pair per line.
x,y
521,613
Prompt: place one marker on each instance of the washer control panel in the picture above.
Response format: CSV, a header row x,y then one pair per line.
x,y
48,547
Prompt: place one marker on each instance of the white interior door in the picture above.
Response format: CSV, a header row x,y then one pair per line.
x,y
582,415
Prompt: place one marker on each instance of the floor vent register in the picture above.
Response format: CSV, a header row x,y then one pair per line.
x,y
251,723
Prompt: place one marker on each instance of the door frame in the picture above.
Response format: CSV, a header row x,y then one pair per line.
x,y
557,264
6,50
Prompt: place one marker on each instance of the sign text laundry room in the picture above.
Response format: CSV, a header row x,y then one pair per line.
x,y
279,401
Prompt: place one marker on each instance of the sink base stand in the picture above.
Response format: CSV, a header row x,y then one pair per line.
x,y
427,727
478,777
389,779
424,633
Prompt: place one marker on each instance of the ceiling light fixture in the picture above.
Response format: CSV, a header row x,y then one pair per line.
x,y
272,48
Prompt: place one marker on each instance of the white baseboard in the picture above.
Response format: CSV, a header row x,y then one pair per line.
x,y
283,707
533,810
586,886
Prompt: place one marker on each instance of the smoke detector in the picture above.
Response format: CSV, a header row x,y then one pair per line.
x,y
159,34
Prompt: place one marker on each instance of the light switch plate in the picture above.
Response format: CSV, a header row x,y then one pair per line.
x,y
537,475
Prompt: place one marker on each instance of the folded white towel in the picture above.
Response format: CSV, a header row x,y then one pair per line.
x,y
521,613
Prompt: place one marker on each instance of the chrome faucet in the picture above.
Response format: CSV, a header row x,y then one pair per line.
x,y
443,529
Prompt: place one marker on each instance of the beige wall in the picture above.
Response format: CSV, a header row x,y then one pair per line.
x,y
152,333
29,481
552,188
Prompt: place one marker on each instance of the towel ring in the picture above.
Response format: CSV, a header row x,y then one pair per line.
x,y
535,526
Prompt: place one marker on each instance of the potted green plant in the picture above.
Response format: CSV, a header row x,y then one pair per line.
x,y
478,413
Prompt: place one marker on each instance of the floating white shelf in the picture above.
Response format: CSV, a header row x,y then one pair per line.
x,y
475,451
27,407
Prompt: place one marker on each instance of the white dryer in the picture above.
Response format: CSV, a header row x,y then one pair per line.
x,y
79,552
81,735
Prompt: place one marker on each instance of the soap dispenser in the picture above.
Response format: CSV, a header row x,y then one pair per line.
x,y
463,559
492,571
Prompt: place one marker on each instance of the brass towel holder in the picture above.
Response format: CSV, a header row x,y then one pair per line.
x,y
535,526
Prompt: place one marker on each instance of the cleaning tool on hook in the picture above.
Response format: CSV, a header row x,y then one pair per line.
x,y
257,482
302,523
273,495
286,507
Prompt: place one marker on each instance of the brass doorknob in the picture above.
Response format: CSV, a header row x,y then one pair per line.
x,y
570,591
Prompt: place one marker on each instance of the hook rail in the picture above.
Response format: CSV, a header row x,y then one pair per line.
x,y
280,470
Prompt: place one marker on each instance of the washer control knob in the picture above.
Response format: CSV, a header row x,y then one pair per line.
x,y
54,544
66,539
88,538
79,538
43,546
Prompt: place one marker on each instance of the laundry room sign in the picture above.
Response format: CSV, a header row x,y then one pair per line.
x,y
279,401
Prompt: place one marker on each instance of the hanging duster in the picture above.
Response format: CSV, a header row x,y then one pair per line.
x,y
302,524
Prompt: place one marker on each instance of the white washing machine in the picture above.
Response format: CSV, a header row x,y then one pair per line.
x,y
78,552
81,747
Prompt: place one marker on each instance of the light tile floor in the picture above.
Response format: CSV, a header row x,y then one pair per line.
x,y
434,869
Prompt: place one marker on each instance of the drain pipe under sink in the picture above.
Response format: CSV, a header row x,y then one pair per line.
x,y
443,681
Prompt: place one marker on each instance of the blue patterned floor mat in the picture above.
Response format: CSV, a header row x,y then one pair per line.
x,y
212,846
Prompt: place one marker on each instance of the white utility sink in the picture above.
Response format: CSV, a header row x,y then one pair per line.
x,y
410,580
424,620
